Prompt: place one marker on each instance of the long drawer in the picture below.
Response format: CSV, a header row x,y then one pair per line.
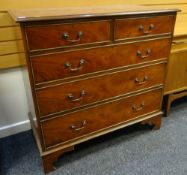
x,y
81,123
65,35
141,27
82,92
71,64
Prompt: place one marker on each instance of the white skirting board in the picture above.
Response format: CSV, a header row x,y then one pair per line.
x,y
13,103
14,128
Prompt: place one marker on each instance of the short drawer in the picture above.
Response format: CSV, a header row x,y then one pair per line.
x,y
87,91
64,35
84,122
76,63
139,27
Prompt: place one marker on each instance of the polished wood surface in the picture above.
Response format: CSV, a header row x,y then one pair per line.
x,y
54,35
155,121
122,83
176,80
55,99
50,159
177,73
179,44
143,26
60,129
97,59
25,15
172,97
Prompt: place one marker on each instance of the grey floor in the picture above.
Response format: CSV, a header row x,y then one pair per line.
x,y
132,151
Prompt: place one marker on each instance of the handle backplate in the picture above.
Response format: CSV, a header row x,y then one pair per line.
x,y
148,53
141,81
71,97
150,29
78,128
80,66
71,41
138,108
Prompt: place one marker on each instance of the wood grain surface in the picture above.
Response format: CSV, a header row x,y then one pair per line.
x,y
129,28
51,36
52,66
60,130
55,99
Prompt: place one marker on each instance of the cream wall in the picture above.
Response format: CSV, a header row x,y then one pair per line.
x,y
13,106
13,103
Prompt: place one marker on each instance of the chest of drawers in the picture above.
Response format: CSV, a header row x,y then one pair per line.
x,y
91,71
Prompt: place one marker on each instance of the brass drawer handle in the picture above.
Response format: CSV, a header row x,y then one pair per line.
x,y
69,67
136,109
82,126
148,53
150,29
66,37
143,81
72,98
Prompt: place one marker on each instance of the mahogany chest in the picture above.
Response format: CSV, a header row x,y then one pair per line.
x,y
94,70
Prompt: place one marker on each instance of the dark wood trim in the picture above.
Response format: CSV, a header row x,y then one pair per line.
x,y
29,72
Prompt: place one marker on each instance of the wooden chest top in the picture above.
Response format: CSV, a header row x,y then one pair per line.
x,y
84,12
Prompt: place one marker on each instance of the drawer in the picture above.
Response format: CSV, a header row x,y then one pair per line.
x,y
140,27
76,63
54,36
86,91
84,122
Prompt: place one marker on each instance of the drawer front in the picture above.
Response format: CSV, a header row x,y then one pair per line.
x,y
53,36
71,64
84,122
139,27
71,95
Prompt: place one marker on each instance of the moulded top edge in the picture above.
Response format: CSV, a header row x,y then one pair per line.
x,y
24,15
